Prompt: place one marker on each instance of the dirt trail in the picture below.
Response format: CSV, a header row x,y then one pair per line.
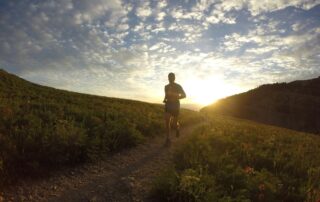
x,y
126,176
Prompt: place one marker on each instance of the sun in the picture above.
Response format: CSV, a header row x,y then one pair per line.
x,y
207,91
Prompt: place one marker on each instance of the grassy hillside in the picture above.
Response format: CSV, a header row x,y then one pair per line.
x,y
42,127
294,105
236,160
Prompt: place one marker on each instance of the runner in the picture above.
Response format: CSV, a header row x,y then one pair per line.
x,y
173,93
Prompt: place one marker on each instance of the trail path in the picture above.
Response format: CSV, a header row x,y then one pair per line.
x,y
126,176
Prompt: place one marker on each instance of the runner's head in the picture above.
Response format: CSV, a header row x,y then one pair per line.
x,y
171,77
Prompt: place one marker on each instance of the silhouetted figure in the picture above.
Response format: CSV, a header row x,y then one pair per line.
x,y
173,93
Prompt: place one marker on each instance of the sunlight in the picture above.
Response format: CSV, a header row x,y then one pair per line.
x,y
207,91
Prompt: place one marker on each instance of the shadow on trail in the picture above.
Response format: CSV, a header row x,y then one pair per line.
x,y
113,186
124,177
135,166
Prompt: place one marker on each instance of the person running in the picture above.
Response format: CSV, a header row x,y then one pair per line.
x,y
173,93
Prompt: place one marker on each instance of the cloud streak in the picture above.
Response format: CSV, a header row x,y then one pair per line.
x,y
126,48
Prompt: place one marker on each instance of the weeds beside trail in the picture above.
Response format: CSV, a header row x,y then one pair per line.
x,y
237,160
43,129
125,176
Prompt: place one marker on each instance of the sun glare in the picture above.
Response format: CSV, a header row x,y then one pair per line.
x,y
208,91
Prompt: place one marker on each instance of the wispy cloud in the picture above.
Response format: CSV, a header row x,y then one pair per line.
x,y
125,48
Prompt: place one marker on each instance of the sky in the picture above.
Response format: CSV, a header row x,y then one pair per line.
x,y
126,48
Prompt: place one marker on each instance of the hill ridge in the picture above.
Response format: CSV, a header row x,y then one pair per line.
x,y
294,105
13,77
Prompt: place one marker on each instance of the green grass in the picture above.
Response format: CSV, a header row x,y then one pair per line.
x,y
43,128
236,160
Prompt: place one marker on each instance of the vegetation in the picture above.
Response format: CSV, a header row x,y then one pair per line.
x,y
42,127
294,105
236,160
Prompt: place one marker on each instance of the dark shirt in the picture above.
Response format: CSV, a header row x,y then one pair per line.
x,y
173,92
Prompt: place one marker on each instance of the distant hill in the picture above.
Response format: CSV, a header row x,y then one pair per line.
x,y
195,107
294,105
42,127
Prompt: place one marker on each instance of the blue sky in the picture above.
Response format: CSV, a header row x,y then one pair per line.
x,y
126,48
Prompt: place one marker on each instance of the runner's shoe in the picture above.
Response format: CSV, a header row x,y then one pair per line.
x,y
178,130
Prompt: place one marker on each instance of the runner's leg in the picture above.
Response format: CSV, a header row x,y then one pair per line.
x,y
176,125
168,123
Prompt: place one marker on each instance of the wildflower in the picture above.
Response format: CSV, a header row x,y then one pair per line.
x,y
262,187
248,170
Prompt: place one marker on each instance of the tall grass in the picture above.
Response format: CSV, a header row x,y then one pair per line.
x,y
235,160
43,128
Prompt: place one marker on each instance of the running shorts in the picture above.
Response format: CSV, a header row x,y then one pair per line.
x,y
172,108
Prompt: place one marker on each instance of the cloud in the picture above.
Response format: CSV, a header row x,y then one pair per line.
x,y
160,16
50,32
144,10
126,48
259,7
271,55
159,11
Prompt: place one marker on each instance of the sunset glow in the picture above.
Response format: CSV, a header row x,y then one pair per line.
x,y
126,48
204,92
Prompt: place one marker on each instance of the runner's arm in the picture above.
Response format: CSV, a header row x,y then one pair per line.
x,y
165,95
182,94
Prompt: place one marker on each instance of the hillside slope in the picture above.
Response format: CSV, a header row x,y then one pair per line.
x,y
294,105
231,159
43,128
